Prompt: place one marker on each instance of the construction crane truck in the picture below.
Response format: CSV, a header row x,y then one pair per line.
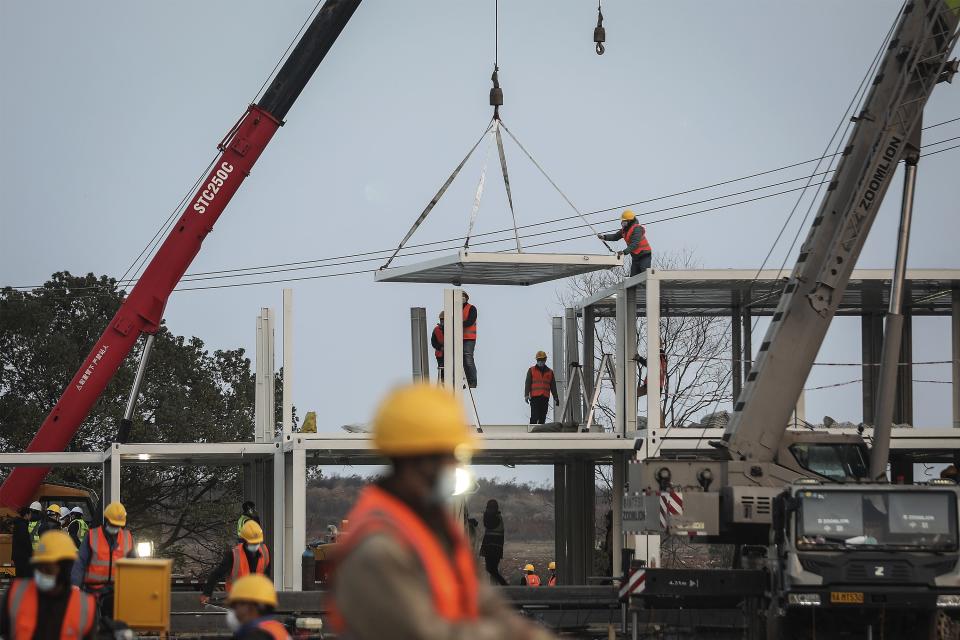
x,y
835,545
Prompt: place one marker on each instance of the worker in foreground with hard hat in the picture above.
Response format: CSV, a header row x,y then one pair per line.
x,y
436,341
405,570
252,602
540,384
530,577
249,556
96,566
635,235
47,605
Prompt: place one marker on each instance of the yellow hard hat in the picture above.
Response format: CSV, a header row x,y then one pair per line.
x,y
541,355
55,508
421,419
529,567
251,532
116,514
552,566
254,587
628,215
54,546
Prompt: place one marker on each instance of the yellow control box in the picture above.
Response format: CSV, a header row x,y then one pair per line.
x,y
142,593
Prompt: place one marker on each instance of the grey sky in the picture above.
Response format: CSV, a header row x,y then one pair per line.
x,y
111,109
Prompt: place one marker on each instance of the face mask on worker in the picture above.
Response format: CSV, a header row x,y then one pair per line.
x,y
44,582
444,486
253,548
112,530
541,363
233,623
624,224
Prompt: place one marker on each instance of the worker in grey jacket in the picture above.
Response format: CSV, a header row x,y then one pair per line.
x,y
634,234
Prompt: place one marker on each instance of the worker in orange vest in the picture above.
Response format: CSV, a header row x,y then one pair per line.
x,y
635,235
552,578
405,569
540,384
469,341
436,341
96,566
47,605
530,577
249,556
252,602
642,388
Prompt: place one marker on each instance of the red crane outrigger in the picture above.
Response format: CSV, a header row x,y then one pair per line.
x,y
143,309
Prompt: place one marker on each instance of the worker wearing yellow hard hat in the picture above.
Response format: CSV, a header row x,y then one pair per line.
x,y
96,566
552,578
252,602
538,387
530,577
47,605
250,556
50,520
406,569
635,235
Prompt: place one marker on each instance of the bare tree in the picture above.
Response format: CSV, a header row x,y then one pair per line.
x,y
697,349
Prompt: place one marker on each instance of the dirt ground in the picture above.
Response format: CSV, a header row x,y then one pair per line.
x,y
517,554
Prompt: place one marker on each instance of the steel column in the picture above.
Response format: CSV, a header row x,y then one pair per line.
x,y
736,348
747,322
871,339
587,358
115,472
419,343
654,409
265,399
955,356
287,399
561,545
618,473
557,358
295,523
571,352
454,378
626,361
279,518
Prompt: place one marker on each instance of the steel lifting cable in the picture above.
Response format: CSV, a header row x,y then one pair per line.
x,y
554,185
433,202
506,182
477,197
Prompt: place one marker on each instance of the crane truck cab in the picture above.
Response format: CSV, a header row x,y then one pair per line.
x,y
852,556
65,495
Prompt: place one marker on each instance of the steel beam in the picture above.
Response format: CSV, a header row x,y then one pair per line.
x,y
736,344
265,399
871,340
295,522
618,474
453,340
560,370
279,518
587,359
626,361
654,409
115,472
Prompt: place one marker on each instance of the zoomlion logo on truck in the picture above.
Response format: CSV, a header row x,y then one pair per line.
x,y
217,180
93,365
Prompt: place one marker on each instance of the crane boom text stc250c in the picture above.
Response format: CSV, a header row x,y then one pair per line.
x,y
142,310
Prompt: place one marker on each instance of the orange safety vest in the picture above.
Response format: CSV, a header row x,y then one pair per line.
x,y
22,608
540,382
438,334
469,333
644,246
552,580
453,581
103,561
533,580
242,568
275,629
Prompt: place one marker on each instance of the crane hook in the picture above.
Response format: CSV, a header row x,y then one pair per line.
x,y
496,93
599,34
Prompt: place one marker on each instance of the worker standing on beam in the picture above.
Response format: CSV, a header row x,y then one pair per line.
x,y
635,235
252,603
249,556
406,569
537,389
436,341
47,605
469,341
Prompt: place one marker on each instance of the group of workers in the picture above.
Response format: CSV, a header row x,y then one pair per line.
x,y
34,521
469,314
